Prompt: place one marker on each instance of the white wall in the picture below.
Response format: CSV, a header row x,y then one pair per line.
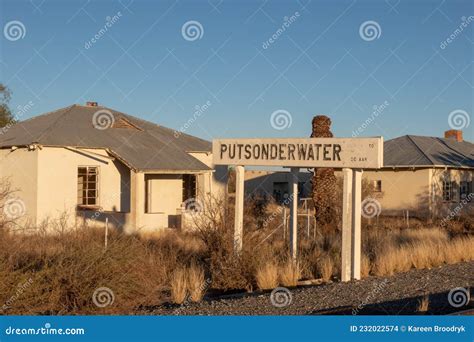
x,y
19,168
212,182
57,181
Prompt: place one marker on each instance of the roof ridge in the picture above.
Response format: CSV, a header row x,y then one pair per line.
x,y
419,149
67,110
441,141
48,113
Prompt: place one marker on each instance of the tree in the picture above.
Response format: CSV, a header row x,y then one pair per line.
x,y
6,116
324,180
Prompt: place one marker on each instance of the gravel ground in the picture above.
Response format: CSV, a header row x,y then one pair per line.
x,y
396,295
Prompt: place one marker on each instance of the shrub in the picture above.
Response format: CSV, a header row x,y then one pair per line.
x,y
326,267
196,283
290,273
178,286
267,276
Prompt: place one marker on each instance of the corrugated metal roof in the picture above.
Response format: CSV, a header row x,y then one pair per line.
x,y
415,151
151,147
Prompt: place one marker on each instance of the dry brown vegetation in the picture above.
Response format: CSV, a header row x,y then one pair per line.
x,y
62,270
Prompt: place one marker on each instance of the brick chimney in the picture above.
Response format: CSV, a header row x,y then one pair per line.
x,y
453,134
91,104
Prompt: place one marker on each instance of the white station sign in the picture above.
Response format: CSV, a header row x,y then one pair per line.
x,y
357,153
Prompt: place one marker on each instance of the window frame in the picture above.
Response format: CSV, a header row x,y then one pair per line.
x,y
452,193
468,191
375,187
97,187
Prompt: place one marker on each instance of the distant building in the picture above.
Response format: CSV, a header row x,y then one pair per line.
x,y
428,176
93,163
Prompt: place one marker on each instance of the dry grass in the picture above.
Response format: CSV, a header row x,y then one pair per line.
x,y
422,249
326,267
423,304
364,266
290,273
267,276
196,283
179,286
150,268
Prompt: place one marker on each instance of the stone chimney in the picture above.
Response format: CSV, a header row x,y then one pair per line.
x,y
91,104
453,134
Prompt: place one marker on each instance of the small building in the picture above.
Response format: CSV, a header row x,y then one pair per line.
x,y
429,177
91,163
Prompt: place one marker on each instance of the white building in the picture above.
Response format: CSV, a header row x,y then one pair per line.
x,y
92,163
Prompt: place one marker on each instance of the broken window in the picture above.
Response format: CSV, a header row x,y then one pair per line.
x,y
448,190
377,185
465,191
189,187
87,185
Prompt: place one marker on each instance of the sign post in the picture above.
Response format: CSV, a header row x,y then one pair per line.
x,y
346,248
294,213
356,227
352,155
239,207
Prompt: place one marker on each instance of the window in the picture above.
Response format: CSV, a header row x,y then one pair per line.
x,y
280,191
377,185
301,189
189,187
465,191
88,186
448,191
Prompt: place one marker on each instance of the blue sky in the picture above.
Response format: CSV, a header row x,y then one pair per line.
x,y
319,64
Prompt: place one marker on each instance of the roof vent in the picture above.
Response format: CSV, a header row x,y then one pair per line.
x,y
91,104
454,134
123,123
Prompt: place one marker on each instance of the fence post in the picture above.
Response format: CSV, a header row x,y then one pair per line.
x,y
106,232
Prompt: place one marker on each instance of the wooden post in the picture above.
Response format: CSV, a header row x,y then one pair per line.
x,y
356,226
284,223
106,231
307,220
294,213
239,207
346,226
